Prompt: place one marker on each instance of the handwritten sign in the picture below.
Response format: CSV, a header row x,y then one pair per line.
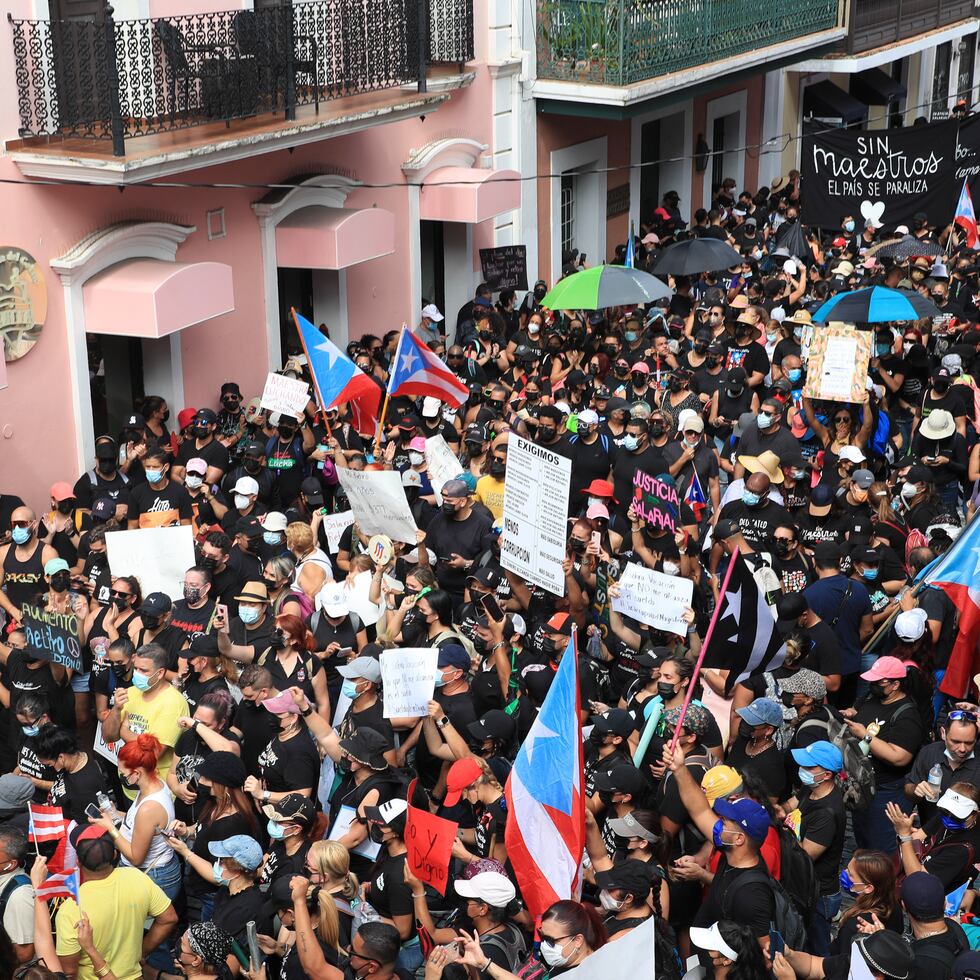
x,y
409,680
108,750
654,598
157,556
837,369
345,817
378,501
287,396
504,267
535,514
443,465
334,526
655,502
429,840
52,636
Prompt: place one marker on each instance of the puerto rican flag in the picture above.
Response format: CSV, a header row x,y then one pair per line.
x,y
545,831
694,497
59,885
46,823
966,217
957,573
416,372
338,380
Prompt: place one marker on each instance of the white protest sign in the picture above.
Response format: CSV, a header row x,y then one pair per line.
x,y
287,396
378,501
157,556
108,750
345,817
442,463
654,598
535,514
334,526
408,678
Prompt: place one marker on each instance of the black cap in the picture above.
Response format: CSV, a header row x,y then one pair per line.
x,y
789,607
631,876
206,415
204,645
574,378
103,509
625,778
827,554
312,491
475,433
156,604
616,721
725,528
224,768
255,449
231,388
485,576
251,527
919,474
866,556
737,376
494,724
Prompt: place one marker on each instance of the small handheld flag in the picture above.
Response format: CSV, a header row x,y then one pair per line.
x,y
966,217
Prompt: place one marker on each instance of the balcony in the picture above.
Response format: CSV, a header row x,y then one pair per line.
x,y
627,42
230,82
876,23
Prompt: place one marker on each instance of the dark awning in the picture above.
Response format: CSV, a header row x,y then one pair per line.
x,y
876,87
828,101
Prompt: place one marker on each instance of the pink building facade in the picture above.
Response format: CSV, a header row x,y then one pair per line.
x,y
173,267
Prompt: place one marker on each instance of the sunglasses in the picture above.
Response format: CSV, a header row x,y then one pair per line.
x,y
960,715
121,595
20,523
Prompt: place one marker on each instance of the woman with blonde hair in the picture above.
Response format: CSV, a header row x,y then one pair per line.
x,y
328,867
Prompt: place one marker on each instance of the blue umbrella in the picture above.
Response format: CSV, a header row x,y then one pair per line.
x,y
876,304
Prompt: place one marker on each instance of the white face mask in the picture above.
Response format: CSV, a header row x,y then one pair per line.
x,y
416,459
608,902
909,490
552,953
193,481
241,502
671,568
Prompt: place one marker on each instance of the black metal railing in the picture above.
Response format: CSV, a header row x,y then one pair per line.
x,y
875,23
116,80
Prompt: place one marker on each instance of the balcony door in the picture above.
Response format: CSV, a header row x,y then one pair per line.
x,y
80,64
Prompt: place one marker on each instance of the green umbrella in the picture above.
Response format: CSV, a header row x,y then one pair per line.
x,y
604,286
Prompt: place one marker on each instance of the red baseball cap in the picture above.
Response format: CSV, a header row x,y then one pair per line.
x,y
62,491
560,623
462,773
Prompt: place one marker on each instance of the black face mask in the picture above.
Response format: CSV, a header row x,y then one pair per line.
x,y
497,467
120,602
376,833
60,581
533,396
448,508
676,384
120,671
665,690
787,698
106,467
546,434
201,431
783,547
611,350
287,432
713,360
209,563
252,465
150,622
621,371
745,729
877,689
657,429
65,506
551,648
605,796
577,545
596,737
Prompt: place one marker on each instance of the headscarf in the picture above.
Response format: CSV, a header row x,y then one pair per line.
x,y
212,944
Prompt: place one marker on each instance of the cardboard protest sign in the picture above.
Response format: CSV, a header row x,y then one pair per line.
x,y
654,598
378,501
536,514
287,396
429,840
443,465
837,369
408,677
157,556
656,503
334,526
108,750
52,636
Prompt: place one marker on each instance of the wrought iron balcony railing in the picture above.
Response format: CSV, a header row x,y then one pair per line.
x,y
619,42
875,23
116,80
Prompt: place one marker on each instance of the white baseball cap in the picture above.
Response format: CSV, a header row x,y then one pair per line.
x,y
711,940
488,886
432,312
851,454
332,599
430,407
246,486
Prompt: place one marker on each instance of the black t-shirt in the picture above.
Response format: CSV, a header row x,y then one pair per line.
x,y
73,791
901,724
86,492
769,766
823,822
233,912
589,462
191,750
370,717
291,765
345,633
756,523
950,854
159,507
20,679
751,359
31,765
460,711
279,864
191,622
213,453
795,573
750,903
215,830
814,530
257,726
670,805
468,538
389,894
625,464
490,825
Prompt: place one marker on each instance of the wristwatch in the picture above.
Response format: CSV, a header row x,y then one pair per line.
x,y
265,796
308,712
442,722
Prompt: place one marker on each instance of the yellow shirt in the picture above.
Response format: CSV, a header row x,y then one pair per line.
x,y
490,493
159,717
117,907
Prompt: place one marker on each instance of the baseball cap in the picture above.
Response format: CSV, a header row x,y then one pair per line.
x,y
762,711
432,312
366,667
388,812
885,669
851,454
725,528
720,781
597,511
924,896
103,509
789,607
312,491
430,409
156,604
632,876
455,490
206,415
62,491
616,721
241,849
454,655
863,478
55,565
628,826
475,432
588,417
748,814
823,754
621,779
196,466
411,479
246,486
490,887
821,497
494,724
274,521
827,554
486,576
332,599
292,808
560,623
204,645
462,773
911,624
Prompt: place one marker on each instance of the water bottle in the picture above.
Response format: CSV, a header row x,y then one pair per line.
x,y
935,780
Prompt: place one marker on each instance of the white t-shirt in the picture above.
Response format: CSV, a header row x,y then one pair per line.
x,y
18,916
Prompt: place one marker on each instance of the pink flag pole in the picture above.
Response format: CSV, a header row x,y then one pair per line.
x,y
704,650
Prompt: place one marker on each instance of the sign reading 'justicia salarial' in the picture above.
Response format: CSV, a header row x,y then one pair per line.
x,y
888,175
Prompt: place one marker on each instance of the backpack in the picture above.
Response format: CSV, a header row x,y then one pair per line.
x,y
943,956
796,872
512,945
18,881
786,920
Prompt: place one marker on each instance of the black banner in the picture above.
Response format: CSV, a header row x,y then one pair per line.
x,y
504,267
889,174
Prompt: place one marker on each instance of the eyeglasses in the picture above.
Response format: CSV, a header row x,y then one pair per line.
x,y
960,715
20,523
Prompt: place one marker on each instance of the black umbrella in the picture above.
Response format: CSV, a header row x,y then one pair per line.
x,y
790,236
696,255
909,247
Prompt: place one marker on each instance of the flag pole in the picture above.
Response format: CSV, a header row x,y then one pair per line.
x,y
384,407
704,649
309,361
30,819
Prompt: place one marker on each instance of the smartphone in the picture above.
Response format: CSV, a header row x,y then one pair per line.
x,y
164,832
345,651
491,607
776,942
222,610
94,812
596,539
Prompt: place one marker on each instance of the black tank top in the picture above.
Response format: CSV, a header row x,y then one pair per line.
x,y
97,632
22,580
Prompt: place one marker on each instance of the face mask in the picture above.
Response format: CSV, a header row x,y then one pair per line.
x,y
552,649
630,336
20,535
848,226
192,481
608,902
630,442
65,507
665,690
671,568
60,581
106,467
153,476
794,375
765,420
497,467
241,501
716,831
750,499
440,679
216,874
140,681
657,429
577,545
120,670
952,823
597,738
376,833
552,953
532,396
807,778
271,537
787,698
870,574
675,384
248,615
859,495
772,337
877,690
30,730
783,547
416,459
533,328
276,830
192,593
349,689
909,490
846,883
448,508
546,433
883,350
